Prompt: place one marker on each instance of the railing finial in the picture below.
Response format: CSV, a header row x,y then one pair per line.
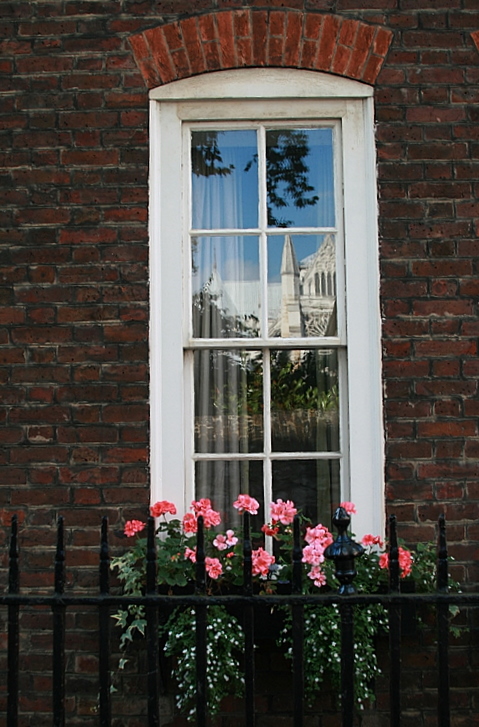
x,y
343,551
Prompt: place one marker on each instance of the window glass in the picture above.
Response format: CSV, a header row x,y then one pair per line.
x,y
224,179
225,286
302,285
249,281
299,168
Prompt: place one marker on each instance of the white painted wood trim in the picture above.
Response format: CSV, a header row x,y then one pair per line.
x,y
261,83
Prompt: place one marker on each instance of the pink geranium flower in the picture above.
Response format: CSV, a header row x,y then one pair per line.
x,y
225,541
132,527
405,561
282,512
220,542
313,554
317,575
350,507
213,567
189,523
318,539
190,554
161,508
370,540
202,507
261,561
245,503
318,534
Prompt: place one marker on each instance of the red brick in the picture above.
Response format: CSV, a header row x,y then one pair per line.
x,y
244,52
309,51
212,56
329,33
259,35
207,27
227,45
293,39
341,60
126,454
242,23
406,369
189,31
382,41
275,51
347,35
447,428
160,54
361,50
96,157
277,20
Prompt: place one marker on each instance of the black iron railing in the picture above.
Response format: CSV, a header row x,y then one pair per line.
x,y
343,552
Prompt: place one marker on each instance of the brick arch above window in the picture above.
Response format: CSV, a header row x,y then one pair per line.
x,y
250,38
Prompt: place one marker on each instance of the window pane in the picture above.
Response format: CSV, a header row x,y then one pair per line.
x,y
224,179
300,182
228,400
313,485
302,285
222,481
225,287
304,401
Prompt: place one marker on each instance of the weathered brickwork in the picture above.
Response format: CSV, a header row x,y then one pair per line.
x,y
74,249
259,38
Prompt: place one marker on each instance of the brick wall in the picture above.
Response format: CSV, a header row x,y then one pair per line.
x,y
74,252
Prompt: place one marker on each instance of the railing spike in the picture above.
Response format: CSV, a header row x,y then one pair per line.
x,y
442,565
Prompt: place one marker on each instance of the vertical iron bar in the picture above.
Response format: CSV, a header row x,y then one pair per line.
x,y
152,629
394,629
249,671
13,628
104,625
298,628
443,703
201,622
58,610
347,662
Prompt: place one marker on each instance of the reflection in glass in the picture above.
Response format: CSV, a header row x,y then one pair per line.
x,y
304,401
222,482
228,401
224,179
300,180
225,287
302,285
313,485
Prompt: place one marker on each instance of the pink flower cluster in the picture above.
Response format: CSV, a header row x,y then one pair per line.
x,y
132,527
350,507
282,512
371,540
405,561
213,566
202,507
222,542
318,539
261,561
246,503
161,508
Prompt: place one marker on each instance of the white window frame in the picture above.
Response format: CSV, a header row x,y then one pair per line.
x,y
265,94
